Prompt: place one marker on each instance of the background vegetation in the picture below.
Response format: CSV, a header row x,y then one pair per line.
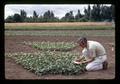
x,y
98,12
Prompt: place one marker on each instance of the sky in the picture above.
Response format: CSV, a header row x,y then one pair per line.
x,y
59,10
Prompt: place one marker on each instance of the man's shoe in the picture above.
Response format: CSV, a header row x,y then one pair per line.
x,y
105,65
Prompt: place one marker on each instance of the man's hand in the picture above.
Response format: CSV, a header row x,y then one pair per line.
x,y
79,60
83,61
76,62
88,60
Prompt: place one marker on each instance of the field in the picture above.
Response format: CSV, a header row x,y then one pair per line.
x,y
59,26
14,44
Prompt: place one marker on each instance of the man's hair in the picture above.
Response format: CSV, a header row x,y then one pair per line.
x,y
82,40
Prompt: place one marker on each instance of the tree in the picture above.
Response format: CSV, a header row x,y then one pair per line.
x,y
89,12
17,18
9,19
23,15
68,17
71,17
48,16
95,13
52,17
35,16
78,15
113,11
106,13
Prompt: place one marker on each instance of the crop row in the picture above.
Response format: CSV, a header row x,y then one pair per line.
x,y
48,62
58,46
61,33
59,26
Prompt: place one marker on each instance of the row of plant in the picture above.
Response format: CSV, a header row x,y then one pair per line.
x,y
48,62
57,46
61,33
58,28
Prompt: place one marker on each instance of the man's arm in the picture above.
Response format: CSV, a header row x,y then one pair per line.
x,y
90,57
79,60
82,61
88,60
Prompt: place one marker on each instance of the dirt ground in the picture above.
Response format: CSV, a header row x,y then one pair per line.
x,y
15,71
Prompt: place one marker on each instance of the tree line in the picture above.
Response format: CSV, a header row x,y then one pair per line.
x,y
98,12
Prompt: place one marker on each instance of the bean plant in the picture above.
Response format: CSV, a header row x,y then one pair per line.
x,y
58,46
49,62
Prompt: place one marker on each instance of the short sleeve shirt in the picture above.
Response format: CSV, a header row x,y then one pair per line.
x,y
94,49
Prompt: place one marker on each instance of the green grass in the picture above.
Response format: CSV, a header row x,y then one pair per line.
x,y
59,28
61,33
47,62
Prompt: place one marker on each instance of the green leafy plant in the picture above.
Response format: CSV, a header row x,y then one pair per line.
x,y
48,62
54,46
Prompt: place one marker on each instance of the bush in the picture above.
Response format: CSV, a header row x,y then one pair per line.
x,y
83,19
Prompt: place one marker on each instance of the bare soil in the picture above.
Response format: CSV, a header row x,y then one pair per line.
x,y
16,71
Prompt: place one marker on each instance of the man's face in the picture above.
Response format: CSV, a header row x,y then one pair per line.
x,y
83,45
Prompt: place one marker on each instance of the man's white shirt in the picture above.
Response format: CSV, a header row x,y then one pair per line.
x,y
94,49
